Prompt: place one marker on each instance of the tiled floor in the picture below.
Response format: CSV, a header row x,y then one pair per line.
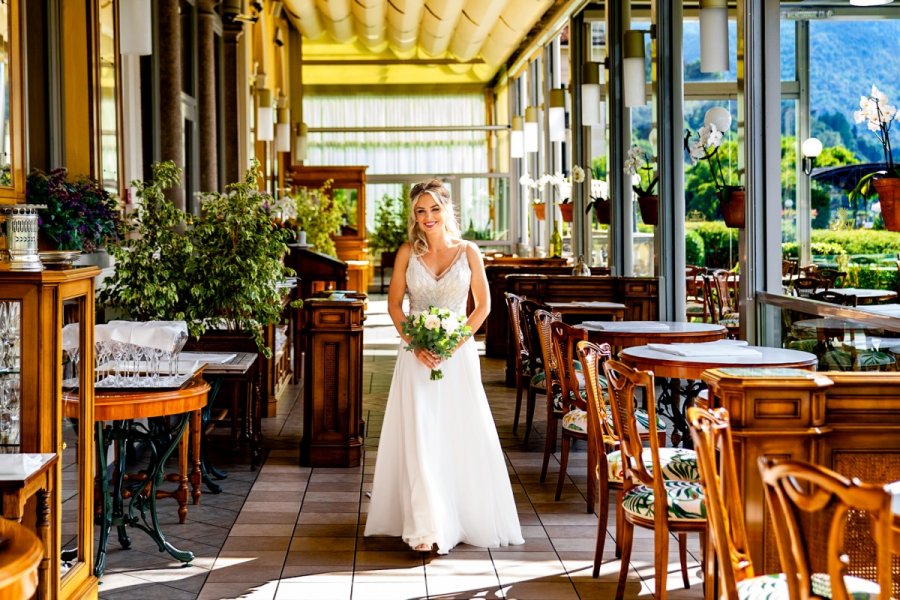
x,y
296,533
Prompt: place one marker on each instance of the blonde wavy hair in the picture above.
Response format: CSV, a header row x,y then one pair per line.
x,y
434,188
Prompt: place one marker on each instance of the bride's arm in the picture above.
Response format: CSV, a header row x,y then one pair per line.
x,y
480,293
397,290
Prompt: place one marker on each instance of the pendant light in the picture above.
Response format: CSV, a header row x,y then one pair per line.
x,y
517,138
556,115
300,143
532,141
590,94
283,129
633,69
713,36
264,123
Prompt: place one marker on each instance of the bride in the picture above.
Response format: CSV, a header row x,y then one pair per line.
x,y
440,475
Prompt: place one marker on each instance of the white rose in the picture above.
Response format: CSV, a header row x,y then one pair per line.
x,y
577,174
450,324
432,322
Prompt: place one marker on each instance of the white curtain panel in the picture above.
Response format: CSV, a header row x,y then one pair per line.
x,y
412,151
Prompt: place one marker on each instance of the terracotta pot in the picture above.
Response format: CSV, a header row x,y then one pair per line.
x,y
732,200
888,189
649,209
566,210
601,211
539,211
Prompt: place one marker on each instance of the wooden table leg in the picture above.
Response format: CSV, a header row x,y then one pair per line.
x,y
42,524
182,494
196,476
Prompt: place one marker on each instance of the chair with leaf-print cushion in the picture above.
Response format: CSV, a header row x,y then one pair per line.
x,y
738,579
645,489
603,443
572,400
834,534
537,384
542,320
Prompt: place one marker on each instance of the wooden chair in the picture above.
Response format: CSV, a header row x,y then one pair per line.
x,y
538,382
834,297
832,277
827,527
572,401
721,304
543,319
643,489
696,307
524,362
603,444
711,432
804,287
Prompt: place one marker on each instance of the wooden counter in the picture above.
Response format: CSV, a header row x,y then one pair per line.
x,y
848,422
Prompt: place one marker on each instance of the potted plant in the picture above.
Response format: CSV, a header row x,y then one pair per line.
x,y
533,192
80,215
641,165
319,214
878,115
391,229
237,260
565,191
732,196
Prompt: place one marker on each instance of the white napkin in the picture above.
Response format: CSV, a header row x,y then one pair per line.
x,y
636,326
120,331
102,333
70,336
200,357
160,337
729,348
894,489
19,464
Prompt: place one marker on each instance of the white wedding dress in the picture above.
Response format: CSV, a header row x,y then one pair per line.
x,y
440,475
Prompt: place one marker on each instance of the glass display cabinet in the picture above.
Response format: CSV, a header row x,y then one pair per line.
x,y
46,345
348,186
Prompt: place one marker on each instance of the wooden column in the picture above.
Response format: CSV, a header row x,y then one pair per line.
x,y
171,121
332,386
206,96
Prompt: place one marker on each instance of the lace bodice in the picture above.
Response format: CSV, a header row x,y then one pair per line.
x,y
449,290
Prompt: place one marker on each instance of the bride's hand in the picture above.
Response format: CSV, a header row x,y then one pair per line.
x,y
429,359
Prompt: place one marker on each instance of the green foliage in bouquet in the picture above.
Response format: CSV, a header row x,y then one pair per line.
x,y
150,280
437,330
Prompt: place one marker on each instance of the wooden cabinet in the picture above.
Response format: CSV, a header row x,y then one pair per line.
x,y
39,360
349,185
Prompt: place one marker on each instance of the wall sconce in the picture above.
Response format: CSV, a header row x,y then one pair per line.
x,y
532,141
590,94
633,69
517,138
811,148
713,36
300,142
283,129
135,27
556,115
265,130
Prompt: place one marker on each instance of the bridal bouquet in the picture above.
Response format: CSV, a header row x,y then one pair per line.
x,y
438,330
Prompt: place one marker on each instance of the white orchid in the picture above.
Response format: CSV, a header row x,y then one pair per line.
x,y
641,167
878,115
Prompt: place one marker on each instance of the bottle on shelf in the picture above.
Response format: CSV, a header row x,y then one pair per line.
x,y
556,242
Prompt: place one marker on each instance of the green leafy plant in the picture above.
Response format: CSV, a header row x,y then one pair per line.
x,y
319,215
237,260
80,215
150,280
391,216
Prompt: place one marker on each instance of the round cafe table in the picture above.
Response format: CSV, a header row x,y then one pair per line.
x,y
120,408
625,334
676,368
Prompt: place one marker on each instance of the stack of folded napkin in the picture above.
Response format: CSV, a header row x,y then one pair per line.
x,y
718,349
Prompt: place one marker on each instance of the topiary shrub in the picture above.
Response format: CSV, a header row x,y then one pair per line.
x,y
719,242
694,249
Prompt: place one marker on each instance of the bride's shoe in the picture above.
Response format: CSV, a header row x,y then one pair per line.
x,y
423,548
